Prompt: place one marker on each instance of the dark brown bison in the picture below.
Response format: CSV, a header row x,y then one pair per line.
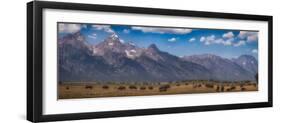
x,y
143,88
132,87
150,87
209,85
105,87
88,87
121,88
218,89
164,88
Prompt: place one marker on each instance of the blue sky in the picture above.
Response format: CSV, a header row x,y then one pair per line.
x,y
176,41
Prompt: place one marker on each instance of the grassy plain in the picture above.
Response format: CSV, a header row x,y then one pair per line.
x,y
94,90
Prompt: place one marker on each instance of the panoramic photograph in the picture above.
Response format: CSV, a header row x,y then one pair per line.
x,y
107,60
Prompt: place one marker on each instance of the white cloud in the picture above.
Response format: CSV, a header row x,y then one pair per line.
x,y
126,31
163,30
228,35
93,36
240,43
172,39
227,42
208,40
242,34
228,39
69,28
248,36
202,39
252,38
105,28
212,39
255,51
192,39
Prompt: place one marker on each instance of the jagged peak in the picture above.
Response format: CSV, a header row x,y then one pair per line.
x,y
112,40
114,36
153,47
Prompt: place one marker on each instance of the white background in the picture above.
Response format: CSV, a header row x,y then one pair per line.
x,y
13,61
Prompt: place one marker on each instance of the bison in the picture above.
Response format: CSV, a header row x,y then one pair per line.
x,y
209,85
143,88
218,89
164,88
105,87
232,88
121,88
88,87
132,87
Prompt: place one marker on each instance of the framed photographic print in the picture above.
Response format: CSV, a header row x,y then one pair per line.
x,y
96,61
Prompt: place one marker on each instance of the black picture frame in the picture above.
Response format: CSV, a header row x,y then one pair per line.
x,y
35,69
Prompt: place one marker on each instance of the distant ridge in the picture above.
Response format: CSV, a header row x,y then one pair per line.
x,y
111,60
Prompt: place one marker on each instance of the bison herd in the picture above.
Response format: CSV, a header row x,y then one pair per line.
x,y
133,87
218,87
161,88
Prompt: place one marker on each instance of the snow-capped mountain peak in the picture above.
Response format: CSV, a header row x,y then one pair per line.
x,y
114,36
151,64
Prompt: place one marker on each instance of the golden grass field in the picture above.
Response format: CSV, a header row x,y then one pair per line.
x,y
70,91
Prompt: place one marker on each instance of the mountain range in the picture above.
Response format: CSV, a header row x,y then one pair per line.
x,y
114,61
